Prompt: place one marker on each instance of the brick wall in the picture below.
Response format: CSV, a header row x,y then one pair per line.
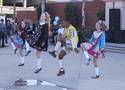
x,y
21,15
91,10
58,9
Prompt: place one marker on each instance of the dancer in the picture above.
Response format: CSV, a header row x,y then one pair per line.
x,y
95,46
17,42
70,37
39,40
60,39
23,32
13,32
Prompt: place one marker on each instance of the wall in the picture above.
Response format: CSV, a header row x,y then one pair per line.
x,y
21,15
92,8
58,9
118,5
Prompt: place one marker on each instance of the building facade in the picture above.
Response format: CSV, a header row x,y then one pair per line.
x,y
116,4
115,20
22,10
91,9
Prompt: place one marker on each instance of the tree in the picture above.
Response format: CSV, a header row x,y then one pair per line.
x,y
101,15
47,8
73,14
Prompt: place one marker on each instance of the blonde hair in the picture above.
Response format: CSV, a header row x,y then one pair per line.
x,y
48,19
102,25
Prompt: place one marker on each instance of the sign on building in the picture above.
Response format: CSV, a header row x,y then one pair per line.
x,y
1,2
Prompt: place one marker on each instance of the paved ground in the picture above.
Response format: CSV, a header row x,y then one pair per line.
x,y
78,75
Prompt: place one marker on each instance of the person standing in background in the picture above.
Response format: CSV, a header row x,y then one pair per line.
x,y
8,29
2,32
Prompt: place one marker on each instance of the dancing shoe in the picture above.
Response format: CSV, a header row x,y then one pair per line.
x,y
96,77
28,52
61,72
15,51
21,64
38,70
88,61
52,53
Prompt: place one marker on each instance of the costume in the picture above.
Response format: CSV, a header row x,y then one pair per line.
x,y
39,38
15,38
95,44
71,36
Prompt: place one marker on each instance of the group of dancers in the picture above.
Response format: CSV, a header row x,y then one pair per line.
x,y
67,40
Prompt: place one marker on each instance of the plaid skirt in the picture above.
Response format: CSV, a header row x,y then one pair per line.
x,y
39,39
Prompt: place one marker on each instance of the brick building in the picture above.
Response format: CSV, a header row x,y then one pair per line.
x,y
91,10
24,12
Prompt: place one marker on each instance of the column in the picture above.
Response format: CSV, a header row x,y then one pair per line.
x,y
42,6
25,3
83,13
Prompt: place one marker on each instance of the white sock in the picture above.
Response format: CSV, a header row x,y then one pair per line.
x,y
61,64
97,71
86,55
39,63
58,45
27,46
22,60
64,48
13,46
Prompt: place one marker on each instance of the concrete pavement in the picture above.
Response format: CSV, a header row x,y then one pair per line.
x,y
77,77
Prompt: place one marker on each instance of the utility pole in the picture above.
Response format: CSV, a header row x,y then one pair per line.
x,y
14,13
83,13
42,6
113,4
25,3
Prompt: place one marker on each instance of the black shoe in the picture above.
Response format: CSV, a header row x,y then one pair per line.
x,y
28,53
21,65
52,53
15,51
76,50
96,77
38,70
61,72
20,82
2,46
88,62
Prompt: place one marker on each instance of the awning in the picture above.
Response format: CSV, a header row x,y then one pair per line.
x,y
35,2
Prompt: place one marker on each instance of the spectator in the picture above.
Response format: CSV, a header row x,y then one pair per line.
x,y
2,32
8,29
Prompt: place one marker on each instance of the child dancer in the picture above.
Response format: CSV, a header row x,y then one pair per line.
x,y
60,39
23,32
17,42
95,46
39,41
70,37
